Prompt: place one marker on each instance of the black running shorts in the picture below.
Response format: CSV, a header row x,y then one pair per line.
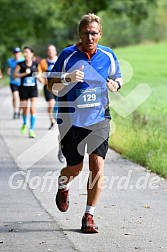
x,y
48,95
14,87
28,92
74,141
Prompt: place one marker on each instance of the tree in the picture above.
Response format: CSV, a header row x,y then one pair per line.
x,y
136,10
26,23
38,23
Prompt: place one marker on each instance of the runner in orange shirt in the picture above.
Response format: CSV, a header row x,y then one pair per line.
x,y
45,66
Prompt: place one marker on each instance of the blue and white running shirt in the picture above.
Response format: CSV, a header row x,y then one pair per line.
x,y
87,101
11,63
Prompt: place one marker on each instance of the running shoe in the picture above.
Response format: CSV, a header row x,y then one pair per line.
x,y
23,129
32,134
62,200
88,225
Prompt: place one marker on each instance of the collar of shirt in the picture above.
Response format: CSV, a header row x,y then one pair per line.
x,y
89,55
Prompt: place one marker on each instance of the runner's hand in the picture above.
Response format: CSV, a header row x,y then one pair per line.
x,y
77,75
112,85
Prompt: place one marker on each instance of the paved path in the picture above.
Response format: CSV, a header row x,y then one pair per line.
x,y
131,213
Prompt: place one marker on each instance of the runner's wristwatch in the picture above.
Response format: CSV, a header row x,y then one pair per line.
x,y
119,85
63,80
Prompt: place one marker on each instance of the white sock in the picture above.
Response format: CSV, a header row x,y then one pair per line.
x,y
90,209
61,184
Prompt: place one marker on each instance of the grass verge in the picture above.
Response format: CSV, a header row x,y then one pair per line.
x,y
142,135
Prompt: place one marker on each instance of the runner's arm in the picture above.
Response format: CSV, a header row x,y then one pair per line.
x,y
114,85
55,84
40,77
66,78
1,75
16,73
8,71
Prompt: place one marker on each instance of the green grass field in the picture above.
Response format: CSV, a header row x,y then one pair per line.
x,y
142,136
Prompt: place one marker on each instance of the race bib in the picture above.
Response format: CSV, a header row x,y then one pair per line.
x,y
29,81
88,98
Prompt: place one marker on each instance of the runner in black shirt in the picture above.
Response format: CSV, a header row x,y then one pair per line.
x,y
28,89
